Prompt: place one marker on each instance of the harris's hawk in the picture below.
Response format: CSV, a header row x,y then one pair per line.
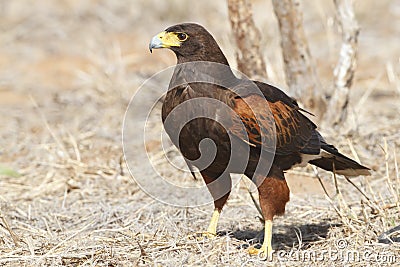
x,y
255,123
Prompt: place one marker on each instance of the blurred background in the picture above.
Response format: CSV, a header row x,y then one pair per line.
x,y
70,54
68,69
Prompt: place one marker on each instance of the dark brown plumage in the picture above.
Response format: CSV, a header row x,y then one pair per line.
x,y
256,121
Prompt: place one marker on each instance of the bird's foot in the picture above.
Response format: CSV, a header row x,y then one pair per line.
x,y
263,252
200,236
209,235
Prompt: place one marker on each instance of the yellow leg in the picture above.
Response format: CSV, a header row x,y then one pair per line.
x,y
212,228
266,248
267,244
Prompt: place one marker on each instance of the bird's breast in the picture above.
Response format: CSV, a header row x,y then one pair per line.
x,y
197,126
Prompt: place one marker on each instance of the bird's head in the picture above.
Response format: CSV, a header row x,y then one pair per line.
x,y
190,42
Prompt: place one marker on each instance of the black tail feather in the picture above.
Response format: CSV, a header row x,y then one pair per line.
x,y
335,161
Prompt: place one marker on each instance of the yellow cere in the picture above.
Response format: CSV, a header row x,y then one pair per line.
x,y
169,39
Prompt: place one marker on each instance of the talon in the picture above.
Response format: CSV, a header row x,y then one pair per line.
x,y
200,236
209,235
266,249
262,252
253,251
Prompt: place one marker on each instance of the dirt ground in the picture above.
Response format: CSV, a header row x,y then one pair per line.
x,y
68,70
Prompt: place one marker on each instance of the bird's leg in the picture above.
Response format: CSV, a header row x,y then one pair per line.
x,y
274,194
266,248
267,244
212,227
220,189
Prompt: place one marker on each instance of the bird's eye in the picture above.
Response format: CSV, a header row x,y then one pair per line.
x,y
182,36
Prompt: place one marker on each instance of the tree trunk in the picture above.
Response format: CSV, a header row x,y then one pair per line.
x,y
300,71
344,71
249,56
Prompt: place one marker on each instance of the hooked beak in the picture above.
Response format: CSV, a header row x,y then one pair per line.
x,y
163,40
155,43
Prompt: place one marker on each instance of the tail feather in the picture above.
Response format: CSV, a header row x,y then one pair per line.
x,y
332,160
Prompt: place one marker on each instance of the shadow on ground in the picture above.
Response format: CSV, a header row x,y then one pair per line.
x,y
286,236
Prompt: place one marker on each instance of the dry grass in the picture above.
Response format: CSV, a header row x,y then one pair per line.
x,y
68,70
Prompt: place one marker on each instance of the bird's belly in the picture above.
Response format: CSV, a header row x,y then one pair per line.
x,y
210,148
203,143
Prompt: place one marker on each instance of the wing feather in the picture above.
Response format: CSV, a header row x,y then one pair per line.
x,y
267,123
